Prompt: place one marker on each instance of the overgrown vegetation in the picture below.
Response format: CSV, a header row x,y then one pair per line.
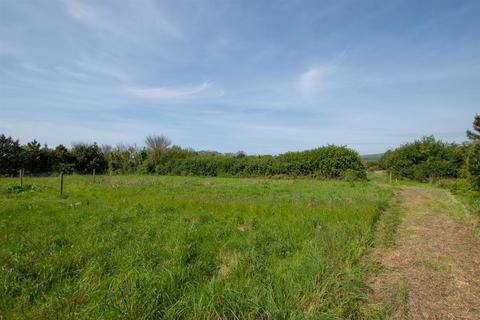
x,y
161,158
425,160
148,247
429,159
453,166
16,188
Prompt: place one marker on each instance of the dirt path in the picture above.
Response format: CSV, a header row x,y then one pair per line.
x,y
427,258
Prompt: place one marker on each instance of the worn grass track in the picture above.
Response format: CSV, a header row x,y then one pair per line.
x,y
427,257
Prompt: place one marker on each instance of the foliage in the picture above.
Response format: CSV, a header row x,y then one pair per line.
x,y
16,188
150,247
328,162
156,145
10,156
325,162
156,142
466,189
475,134
372,166
88,157
38,159
64,160
425,159
123,159
473,163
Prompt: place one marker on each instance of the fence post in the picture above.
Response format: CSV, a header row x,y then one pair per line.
x,y
93,174
390,177
21,177
61,182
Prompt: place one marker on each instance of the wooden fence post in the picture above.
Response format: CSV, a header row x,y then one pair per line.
x,y
61,182
390,177
93,174
21,177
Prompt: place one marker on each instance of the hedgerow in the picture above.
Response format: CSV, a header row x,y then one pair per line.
x,y
425,159
159,158
325,162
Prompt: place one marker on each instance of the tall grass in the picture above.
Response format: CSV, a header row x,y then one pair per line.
x,y
185,248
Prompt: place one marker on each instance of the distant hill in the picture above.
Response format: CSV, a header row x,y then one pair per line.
x,y
371,157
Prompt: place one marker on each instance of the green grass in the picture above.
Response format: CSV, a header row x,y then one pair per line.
x,y
143,247
388,225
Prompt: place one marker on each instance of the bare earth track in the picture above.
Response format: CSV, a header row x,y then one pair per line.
x,y
430,268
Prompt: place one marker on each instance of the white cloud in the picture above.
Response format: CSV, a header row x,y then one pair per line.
x,y
203,90
313,80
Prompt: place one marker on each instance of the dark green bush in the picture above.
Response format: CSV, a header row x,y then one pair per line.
x,y
473,163
11,156
88,157
425,159
325,162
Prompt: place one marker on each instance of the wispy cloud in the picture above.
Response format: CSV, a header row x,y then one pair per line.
x,y
313,80
203,90
319,76
92,16
91,66
130,19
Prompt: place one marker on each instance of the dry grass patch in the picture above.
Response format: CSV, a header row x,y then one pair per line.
x,y
435,260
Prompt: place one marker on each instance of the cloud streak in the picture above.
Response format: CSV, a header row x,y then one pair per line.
x,y
131,19
203,90
91,66
314,80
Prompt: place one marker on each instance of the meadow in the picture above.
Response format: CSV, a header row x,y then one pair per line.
x,y
147,247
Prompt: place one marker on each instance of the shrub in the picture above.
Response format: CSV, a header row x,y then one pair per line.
x,y
24,188
473,163
88,157
425,159
325,162
354,175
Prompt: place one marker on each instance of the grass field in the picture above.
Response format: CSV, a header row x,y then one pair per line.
x,y
141,247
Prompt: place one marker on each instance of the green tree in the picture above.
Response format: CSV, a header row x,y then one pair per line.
x,y
63,159
31,152
156,146
122,158
475,134
88,157
11,155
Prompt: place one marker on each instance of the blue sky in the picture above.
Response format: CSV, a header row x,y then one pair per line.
x,y
259,76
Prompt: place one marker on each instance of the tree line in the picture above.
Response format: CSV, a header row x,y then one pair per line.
x,y
160,157
429,159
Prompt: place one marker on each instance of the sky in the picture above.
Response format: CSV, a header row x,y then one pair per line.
x,y
264,77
